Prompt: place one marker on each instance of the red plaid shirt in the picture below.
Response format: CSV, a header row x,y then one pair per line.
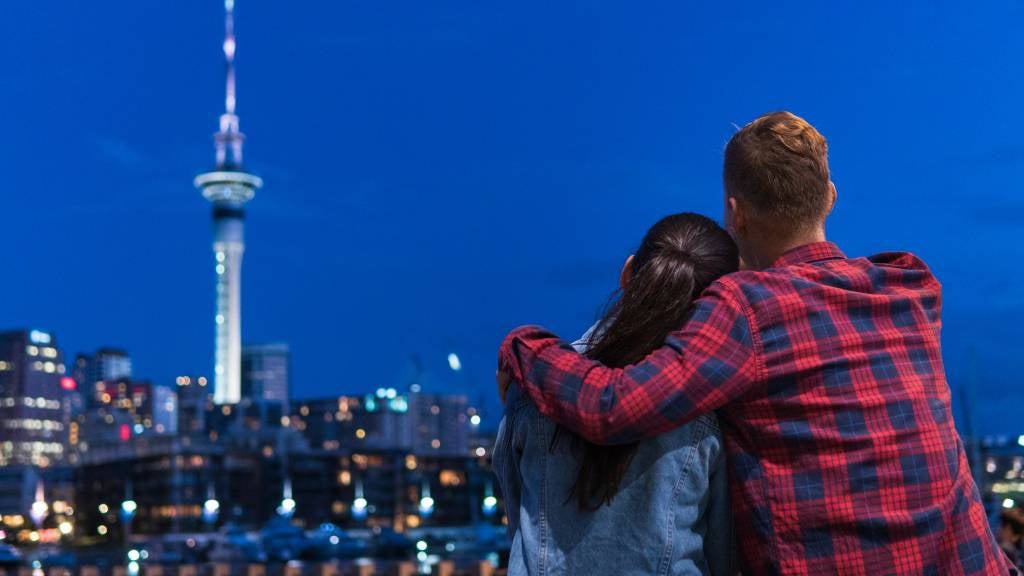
x,y
827,376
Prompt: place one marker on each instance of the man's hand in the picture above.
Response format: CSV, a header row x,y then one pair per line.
x,y
503,383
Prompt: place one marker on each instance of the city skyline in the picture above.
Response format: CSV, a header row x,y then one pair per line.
x,y
431,173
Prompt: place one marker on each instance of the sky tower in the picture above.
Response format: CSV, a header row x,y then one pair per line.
x,y
229,188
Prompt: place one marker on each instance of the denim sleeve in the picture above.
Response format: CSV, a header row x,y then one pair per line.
x,y
720,542
505,459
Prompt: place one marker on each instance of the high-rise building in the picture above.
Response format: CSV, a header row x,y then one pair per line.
x,y
374,421
121,409
265,373
193,400
33,390
104,365
442,423
228,187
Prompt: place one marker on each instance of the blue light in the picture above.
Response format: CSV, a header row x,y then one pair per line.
x,y
371,404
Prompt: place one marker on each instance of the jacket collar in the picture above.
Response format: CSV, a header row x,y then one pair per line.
x,y
813,252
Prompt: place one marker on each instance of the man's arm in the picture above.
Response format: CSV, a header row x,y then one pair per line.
x,y
702,366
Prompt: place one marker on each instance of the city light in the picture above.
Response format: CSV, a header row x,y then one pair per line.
x,y
211,506
1008,503
453,362
426,506
129,507
474,419
287,507
1020,440
134,555
65,528
421,545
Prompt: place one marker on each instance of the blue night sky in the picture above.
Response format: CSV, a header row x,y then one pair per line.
x,y
439,172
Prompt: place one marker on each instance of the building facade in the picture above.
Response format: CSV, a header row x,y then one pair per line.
x,y
33,399
265,379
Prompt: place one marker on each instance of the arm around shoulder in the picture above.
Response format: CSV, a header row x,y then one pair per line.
x,y
705,364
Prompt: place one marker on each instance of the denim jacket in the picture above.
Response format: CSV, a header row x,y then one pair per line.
x,y
670,517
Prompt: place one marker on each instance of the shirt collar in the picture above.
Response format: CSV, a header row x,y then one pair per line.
x,y
813,252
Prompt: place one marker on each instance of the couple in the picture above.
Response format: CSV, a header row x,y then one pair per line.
x,y
833,450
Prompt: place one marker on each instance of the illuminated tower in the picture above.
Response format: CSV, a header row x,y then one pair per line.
x,y
229,188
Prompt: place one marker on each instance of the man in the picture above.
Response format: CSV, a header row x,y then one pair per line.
x,y
826,373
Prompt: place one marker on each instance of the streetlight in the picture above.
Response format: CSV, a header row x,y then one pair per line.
x,y
211,508
287,507
39,509
426,502
490,503
128,509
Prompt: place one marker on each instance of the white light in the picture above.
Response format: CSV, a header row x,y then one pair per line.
x,y
133,567
449,547
39,337
134,555
219,319
1020,440
474,419
1008,503
381,393
220,256
211,506
65,528
334,539
391,393
101,529
219,369
287,506
220,268
359,504
103,508
421,556
129,506
481,452
421,545
453,362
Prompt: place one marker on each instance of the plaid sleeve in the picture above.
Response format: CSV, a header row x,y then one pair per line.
x,y
702,366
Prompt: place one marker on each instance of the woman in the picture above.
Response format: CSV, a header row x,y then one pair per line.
x,y
657,507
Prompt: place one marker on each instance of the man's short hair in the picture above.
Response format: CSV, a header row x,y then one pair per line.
x,y
779,164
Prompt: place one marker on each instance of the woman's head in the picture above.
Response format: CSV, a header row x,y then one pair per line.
x,y
678,258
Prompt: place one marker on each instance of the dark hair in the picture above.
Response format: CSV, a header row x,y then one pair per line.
x,y
779,164
679,257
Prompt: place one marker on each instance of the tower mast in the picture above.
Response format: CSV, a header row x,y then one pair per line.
x,y
228,187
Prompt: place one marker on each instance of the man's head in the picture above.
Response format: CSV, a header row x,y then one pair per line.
x,y
777,187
